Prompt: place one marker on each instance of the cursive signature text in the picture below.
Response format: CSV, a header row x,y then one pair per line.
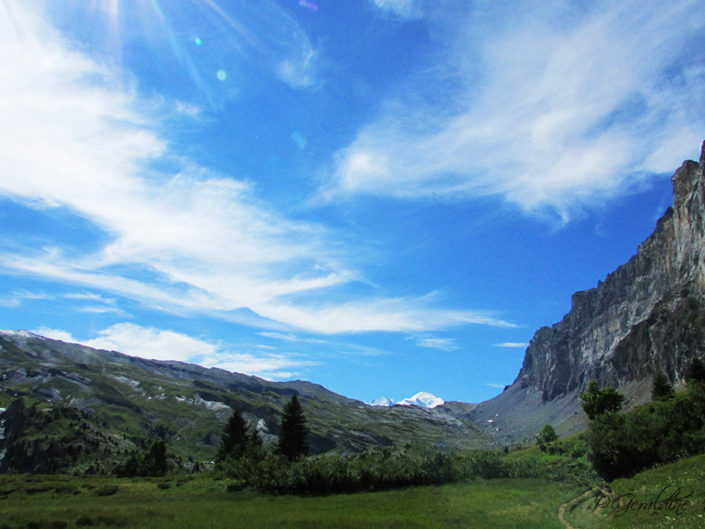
x,y
672,499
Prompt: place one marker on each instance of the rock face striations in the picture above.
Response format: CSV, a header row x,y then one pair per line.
x,y
633,302
646,317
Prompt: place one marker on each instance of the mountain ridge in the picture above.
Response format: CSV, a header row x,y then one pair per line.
x,y
122,403
645,317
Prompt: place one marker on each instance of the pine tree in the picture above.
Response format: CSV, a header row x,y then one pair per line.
x,y
155,463
293,432
695,372
661,388
234,439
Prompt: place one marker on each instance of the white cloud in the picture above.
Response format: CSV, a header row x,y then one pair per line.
x,y
148,342
512,345
285,337
442,344
55,334
159,344
102,309
76,136
558,110
383,314
15,299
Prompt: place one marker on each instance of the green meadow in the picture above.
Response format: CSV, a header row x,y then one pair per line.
x,y
667,497
67,502
671,496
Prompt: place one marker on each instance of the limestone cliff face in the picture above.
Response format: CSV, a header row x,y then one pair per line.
x,y
646,315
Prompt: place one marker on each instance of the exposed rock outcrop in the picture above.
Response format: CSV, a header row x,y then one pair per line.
x,y
646,316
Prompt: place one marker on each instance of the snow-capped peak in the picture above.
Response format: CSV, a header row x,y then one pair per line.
x,y
422,399
382,401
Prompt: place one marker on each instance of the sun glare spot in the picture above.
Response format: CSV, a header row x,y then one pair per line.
x,y
222,75
197,41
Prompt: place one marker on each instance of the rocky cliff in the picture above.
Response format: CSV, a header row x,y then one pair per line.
x,y
646,316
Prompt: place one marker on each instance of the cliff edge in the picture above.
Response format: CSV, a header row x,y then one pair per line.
x,y
645,317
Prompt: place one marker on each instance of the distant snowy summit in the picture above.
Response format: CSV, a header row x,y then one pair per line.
x,y
382,401
422,399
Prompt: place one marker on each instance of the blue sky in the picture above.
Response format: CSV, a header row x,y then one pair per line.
x,y
380,196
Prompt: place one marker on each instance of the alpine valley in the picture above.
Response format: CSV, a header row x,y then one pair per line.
x,y
647,316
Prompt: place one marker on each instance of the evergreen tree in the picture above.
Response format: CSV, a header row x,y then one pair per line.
x,y
255,448
234,439
293,432
695,371
599,401
661,388
154,462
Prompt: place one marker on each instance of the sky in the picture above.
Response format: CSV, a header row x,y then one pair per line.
x,y
380,196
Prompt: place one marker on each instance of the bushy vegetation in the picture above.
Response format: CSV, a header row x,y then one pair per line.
x,y
670,427
546,436
389,469
152,462
597,402
284,469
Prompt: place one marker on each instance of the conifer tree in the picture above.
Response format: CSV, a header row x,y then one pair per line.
x,y
154,462
293,431
234,439
661,388
695,371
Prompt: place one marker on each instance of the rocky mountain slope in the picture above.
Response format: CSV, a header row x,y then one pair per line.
x,y
88,403
645,317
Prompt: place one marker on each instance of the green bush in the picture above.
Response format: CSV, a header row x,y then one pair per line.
x,y
388,469
106,490
659,432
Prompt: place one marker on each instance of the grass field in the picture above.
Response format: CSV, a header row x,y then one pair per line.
x,y
56,502
671,496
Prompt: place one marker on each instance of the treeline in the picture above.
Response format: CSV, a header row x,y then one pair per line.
x,y
284,468
670,427
152,462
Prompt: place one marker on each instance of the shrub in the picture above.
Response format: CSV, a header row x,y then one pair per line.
x,y
546,436
599,401
106,490
659,432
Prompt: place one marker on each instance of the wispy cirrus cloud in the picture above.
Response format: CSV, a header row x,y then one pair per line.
x,y
15,299
408,9
441,344
512,345
80,138
552,109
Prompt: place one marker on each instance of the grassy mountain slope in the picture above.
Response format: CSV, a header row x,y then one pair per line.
x,y
129,402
